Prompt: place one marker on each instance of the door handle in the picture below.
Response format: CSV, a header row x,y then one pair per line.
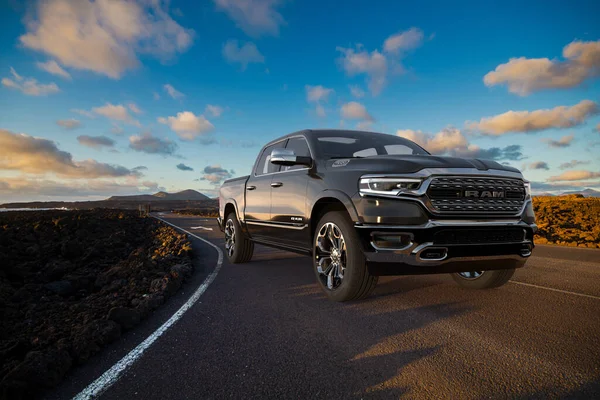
x,y
250,187
276,184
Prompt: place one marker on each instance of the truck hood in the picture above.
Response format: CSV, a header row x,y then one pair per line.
x,y
405,164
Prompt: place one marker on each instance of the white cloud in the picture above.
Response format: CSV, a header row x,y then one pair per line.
x,y
527,75
403,41
29,86
172,92
244,55
15,75
376,64
356,92
533,121
214,110
155,96
373,64
254,17
52,67
564,141
445,141
574,176
134,108
104,36
317,93
69,124
117,113
355,110
83,113
187,125
116,130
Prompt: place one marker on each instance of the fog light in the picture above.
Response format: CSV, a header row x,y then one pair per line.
x,y
391,241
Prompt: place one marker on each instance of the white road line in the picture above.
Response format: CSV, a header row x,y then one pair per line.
x,y
108,378
201,227
556,290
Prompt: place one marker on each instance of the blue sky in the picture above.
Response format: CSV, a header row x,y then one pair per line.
x,y
438,73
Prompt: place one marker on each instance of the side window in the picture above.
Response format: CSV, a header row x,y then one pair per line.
x,y
264,165
398,149
300,148
366,152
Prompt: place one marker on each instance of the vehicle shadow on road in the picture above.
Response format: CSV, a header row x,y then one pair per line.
x,y
376,341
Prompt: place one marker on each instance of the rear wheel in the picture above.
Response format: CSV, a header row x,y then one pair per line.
x,y
238,247
339,264
483,279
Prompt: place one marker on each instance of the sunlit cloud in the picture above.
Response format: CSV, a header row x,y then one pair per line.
x,y
575,176
34,155
29,86
104,36
527,75
560,117
53,68
187,125
564,141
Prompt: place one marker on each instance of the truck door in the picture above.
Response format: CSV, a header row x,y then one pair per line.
x,y
288,199
258,194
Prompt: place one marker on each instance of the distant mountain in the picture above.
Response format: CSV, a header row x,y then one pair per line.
x,y
186,195
543,194
585,192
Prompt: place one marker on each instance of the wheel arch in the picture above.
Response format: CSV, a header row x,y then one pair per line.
x,y
331,200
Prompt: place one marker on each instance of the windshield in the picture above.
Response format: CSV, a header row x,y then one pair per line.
x,y
347,144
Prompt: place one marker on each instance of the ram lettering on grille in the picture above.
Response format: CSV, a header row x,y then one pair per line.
x,y
474,195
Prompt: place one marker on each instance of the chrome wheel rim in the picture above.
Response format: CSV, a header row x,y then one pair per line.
x,y
470,275
230,237
330,255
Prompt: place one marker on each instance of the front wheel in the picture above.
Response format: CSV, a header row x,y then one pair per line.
x,y
483,279
340,266
238,247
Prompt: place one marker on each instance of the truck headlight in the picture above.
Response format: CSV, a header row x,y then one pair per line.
x,y
388,186
527,190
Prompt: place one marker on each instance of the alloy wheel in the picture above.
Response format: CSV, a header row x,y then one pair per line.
x,y
330,255
230,237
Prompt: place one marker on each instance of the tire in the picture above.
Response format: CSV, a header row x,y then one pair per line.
x,y
355,282
240,248
487,279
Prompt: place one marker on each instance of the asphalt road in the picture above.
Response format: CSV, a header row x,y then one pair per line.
x,y
264,330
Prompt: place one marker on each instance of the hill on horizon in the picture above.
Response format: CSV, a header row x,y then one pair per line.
x,y
187,195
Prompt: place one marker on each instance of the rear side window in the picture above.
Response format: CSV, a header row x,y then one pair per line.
x,y
264,165
300,148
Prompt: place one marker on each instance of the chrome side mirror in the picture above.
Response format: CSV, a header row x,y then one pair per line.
x,y
288,157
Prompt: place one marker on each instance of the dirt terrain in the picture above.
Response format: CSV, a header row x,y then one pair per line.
x,y
72,282
571,220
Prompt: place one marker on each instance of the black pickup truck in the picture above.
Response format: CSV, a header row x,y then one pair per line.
x,y
366,204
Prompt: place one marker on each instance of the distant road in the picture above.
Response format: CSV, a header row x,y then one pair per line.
x,y
265,330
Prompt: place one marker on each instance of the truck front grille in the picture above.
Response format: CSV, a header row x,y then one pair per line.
x,y
476,195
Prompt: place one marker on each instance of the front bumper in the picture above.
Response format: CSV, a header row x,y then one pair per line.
x,y
220,223
447,246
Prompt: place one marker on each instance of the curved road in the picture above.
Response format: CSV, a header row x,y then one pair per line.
x,y
264,330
